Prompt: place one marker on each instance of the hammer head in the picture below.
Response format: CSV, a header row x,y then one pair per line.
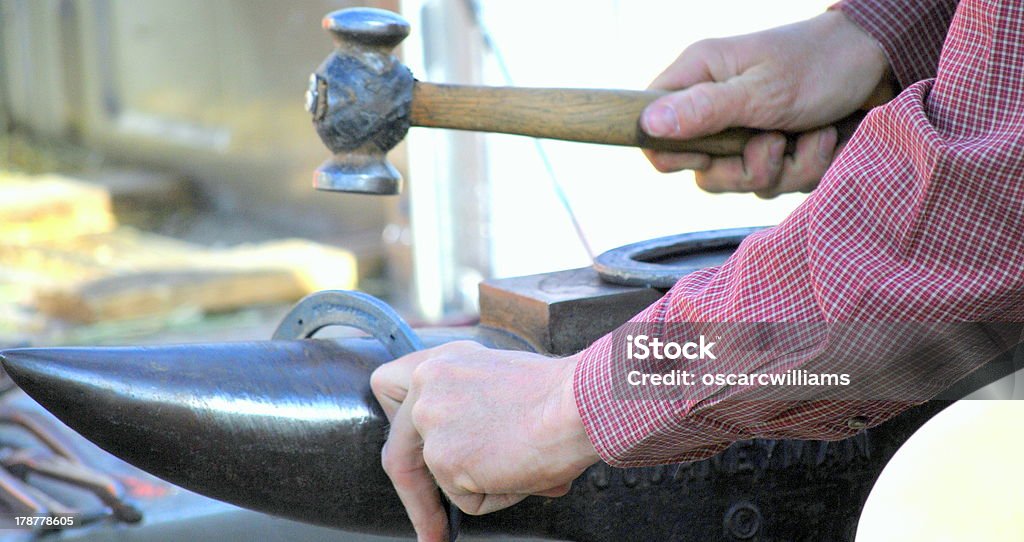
x,y
360,99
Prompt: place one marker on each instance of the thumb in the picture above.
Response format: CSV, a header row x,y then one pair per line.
x,y
703,109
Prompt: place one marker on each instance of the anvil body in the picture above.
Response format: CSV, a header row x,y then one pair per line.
x,y
291,428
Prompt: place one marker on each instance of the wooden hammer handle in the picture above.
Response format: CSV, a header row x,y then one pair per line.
x,y
610,117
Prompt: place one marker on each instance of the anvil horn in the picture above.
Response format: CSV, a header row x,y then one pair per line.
x,y
286,427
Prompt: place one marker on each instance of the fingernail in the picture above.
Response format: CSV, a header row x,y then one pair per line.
x,y
661,120
826,145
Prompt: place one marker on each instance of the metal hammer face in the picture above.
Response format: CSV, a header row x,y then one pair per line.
x,y
360,98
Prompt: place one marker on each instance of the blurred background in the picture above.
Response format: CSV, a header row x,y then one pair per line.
x,y
155,161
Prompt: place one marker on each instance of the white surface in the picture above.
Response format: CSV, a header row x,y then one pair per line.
x,y
959,478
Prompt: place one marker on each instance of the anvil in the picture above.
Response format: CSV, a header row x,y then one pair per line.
x,y
290,427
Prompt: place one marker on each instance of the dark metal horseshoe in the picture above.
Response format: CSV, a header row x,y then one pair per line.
x,y
659,263
352,309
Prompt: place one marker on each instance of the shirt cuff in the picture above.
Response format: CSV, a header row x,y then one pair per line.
x,y
634,432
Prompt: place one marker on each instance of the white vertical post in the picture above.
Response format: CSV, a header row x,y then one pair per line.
x,y
447,181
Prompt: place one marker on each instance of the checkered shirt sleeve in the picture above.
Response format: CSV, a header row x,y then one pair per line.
x,y
920,219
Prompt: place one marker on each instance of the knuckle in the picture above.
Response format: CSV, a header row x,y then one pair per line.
x,y
762,170
378,380
391,464
464,482
419,377
433,457
427,371
438,462
701,48
422,414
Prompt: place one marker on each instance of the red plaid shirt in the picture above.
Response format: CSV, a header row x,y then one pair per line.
x,y
920,219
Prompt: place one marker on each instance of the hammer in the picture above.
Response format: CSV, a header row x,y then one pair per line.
x,y
363,101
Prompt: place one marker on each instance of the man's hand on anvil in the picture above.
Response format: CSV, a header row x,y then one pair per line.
x,y
489,427
796,78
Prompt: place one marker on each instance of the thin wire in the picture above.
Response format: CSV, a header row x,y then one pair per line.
x,y
473,6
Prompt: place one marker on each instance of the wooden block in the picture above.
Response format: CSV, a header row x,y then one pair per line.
x,y
560,312
60,244
129,274
149,293
72,260
47,207
61,249
316,266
